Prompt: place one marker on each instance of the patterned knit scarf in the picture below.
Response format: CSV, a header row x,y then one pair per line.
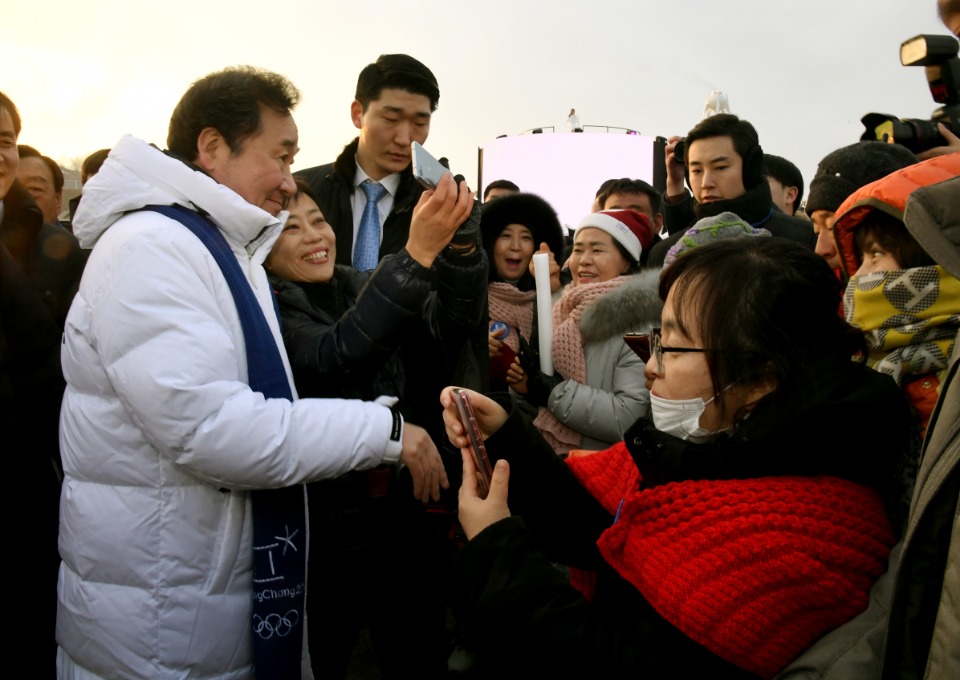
x,y
568,356
754,570
910,318
515,308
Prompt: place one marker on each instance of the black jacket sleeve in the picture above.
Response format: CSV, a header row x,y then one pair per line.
x,y
369,332
520,611
677,217
563,516
527,621
458,307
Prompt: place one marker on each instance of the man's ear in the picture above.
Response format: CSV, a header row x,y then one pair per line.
x,y
657,224
792,194
356,114
211,148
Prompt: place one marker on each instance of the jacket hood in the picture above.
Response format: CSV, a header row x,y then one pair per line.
x,y
932,216
634,306
888,195
137,174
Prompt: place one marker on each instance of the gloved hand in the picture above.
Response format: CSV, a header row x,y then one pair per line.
x,y
469,232
539,384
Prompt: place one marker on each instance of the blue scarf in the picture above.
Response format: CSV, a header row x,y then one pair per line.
x,y
279,517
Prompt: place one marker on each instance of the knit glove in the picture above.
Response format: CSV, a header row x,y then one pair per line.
x,y
539,384
469,232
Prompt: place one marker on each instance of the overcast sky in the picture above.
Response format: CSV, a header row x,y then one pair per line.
x,y
803,72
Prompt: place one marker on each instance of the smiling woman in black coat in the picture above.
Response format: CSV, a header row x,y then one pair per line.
x,y
375,558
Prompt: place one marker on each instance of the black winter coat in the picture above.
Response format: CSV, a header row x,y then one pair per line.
x,y
333,185
400,330
755,207
527,621
49,255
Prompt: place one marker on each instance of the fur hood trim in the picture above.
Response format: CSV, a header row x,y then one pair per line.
x,y
634,306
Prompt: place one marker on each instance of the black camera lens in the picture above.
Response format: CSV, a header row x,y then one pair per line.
x,y
916,134
678,151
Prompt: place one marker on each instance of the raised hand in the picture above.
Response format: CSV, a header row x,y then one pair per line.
x,y
436,218
675,175
554,267
953,145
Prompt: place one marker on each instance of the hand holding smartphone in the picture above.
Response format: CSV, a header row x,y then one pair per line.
x,y
426,169
472,429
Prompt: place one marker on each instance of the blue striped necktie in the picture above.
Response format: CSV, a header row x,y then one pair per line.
x,y
366,251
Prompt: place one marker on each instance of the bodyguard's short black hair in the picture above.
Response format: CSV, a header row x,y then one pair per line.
x,y
400,71
7,105
786,173
625,185
25,151
229,101
746,143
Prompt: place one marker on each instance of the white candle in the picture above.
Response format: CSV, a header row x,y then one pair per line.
x,y
541,271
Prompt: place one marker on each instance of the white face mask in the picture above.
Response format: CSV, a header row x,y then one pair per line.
x,y
680,417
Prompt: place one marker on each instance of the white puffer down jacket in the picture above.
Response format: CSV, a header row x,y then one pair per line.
x,y
162,438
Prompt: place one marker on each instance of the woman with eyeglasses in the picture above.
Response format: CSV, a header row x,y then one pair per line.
x,y
741,521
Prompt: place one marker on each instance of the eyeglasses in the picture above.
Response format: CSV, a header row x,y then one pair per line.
x,y
646,344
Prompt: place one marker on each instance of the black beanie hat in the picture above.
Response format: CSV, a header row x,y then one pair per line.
x,y
847,169
527,209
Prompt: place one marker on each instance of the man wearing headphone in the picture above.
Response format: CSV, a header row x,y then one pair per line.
x,y
722,162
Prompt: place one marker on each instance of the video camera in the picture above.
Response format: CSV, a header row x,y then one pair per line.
x,y
938,55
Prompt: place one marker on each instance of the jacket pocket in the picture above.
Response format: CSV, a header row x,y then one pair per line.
x,y
225,559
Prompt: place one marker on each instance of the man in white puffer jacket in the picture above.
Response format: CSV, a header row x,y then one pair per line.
x,y
161,436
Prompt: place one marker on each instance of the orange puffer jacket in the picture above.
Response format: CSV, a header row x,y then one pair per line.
x,y
888,194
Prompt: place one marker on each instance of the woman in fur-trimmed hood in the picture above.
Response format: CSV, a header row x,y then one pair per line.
x,y
597,391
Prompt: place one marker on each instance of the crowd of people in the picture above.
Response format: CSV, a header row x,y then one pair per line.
x,y
722,423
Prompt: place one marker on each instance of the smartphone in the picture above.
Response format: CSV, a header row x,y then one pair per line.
x,y
427,169
501,361
480,459
640,344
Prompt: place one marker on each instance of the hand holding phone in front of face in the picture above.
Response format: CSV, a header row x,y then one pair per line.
x,y
436,217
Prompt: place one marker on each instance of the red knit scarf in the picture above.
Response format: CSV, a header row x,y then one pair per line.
x,y
568,356
754,570
515,308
